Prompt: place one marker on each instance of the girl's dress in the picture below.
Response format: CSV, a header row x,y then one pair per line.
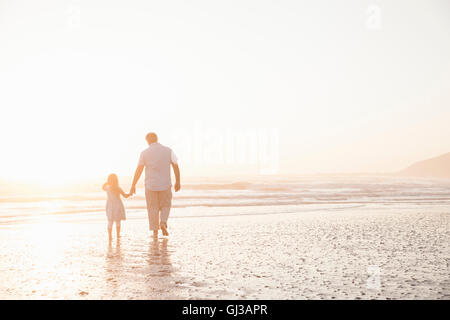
x,y
115,211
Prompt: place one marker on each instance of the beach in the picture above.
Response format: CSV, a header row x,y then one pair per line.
x,y
295,150
347,253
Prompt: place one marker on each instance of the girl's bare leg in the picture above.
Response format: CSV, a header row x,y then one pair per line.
x,y
110,234
118,230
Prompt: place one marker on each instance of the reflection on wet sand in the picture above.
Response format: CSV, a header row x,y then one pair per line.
x,y
159,272
114,266
137,262
159,257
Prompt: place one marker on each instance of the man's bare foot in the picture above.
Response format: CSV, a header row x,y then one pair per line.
x,y
164,229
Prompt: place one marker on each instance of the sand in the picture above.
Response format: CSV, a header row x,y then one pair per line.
x,y
348,254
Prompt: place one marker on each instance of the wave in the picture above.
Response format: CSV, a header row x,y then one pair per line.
x,y
305,193
42,211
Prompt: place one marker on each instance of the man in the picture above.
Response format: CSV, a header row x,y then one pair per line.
x,y
156,160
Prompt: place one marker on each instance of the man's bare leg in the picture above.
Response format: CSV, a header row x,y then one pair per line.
x,y
155,234
165,215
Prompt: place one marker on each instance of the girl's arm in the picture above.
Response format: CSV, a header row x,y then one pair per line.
x,y
104,186
125,195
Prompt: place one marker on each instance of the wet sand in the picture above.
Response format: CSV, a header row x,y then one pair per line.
x,y
348,254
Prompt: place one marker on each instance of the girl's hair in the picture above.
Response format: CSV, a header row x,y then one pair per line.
x,y
113,183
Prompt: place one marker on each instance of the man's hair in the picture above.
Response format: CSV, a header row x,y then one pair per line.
x,y
151,137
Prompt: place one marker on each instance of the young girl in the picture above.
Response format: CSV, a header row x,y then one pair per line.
x,y
115,211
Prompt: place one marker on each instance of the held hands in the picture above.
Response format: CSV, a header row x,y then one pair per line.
x,y
132,190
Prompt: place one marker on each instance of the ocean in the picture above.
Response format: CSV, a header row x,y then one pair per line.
x,y
303,194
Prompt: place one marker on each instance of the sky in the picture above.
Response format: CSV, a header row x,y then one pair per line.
x,y
234,87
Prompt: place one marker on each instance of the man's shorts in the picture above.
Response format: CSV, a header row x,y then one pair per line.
x,y
158,201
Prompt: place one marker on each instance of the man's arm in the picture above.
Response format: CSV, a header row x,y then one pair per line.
x,y
176,171
137,175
